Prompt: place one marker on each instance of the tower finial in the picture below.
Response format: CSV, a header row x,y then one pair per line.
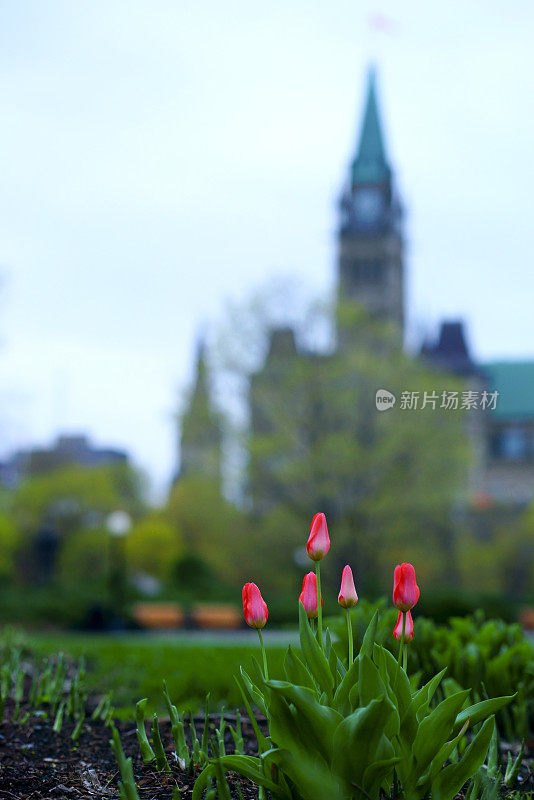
x,y
370,164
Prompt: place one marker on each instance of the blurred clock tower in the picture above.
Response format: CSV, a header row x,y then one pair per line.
x,y
370,254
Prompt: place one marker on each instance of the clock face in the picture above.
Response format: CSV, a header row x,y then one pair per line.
x,y
367,204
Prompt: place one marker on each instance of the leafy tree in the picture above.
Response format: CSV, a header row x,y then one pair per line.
x,y
153,546
9,542
387,480
210,526
62,503
74,497
84,558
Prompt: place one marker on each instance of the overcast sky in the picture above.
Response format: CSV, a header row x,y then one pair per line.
x,y
158,158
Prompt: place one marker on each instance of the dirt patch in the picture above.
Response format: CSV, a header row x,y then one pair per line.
x,y
36,763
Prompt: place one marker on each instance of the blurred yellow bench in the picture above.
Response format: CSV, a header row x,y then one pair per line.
x,y
158,616
216,616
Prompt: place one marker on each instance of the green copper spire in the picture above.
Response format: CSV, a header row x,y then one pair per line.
x,y
370,165
201,429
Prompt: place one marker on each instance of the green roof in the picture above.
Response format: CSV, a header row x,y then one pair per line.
x,y
370,164
514,380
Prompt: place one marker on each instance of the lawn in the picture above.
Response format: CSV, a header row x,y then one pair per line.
x,y
134,665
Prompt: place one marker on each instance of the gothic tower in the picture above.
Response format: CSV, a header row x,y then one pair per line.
x,y
201,434
370,244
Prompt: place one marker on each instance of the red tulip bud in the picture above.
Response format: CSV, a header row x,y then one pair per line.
x,y
254,606
318,541
308,595
405,588
347,596
408,627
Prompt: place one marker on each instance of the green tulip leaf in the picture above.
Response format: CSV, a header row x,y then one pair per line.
x,y
297,672
357,740
479,711
401,694
315,781
451,779
263,743
254,691
378,773
370,636
439,760
436,728
350,679
316,723
354,698
314,656
370,686
418,708
248,766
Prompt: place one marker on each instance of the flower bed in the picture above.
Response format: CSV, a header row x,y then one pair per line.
x,y
351,724
356,728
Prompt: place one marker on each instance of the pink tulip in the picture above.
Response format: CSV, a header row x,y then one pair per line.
x,y
254,606
347,596
318,541
408,627
308,595
405,588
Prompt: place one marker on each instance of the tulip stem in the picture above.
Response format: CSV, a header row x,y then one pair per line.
x,y
405,657
349,634
402,637
400,649
265,670
319,605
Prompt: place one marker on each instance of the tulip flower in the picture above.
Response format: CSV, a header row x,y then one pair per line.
x,y
347,598
318,541
408,627
308,595
405,588
254,606
318,546
256,613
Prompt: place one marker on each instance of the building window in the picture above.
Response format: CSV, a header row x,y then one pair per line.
x,y
513,443
364,272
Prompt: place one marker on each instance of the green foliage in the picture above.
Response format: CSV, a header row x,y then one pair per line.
x,y
489,657
498,558
348,731
9,542
84,558
67,495
161,758
72,503
317,441
63,605
152,546
127,787
210,527
192,574
134,667
512,768
147,753
56,689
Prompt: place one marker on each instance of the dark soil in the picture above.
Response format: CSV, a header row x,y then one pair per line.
x,y
38,764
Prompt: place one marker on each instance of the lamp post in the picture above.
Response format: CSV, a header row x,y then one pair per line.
x,y
118,524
